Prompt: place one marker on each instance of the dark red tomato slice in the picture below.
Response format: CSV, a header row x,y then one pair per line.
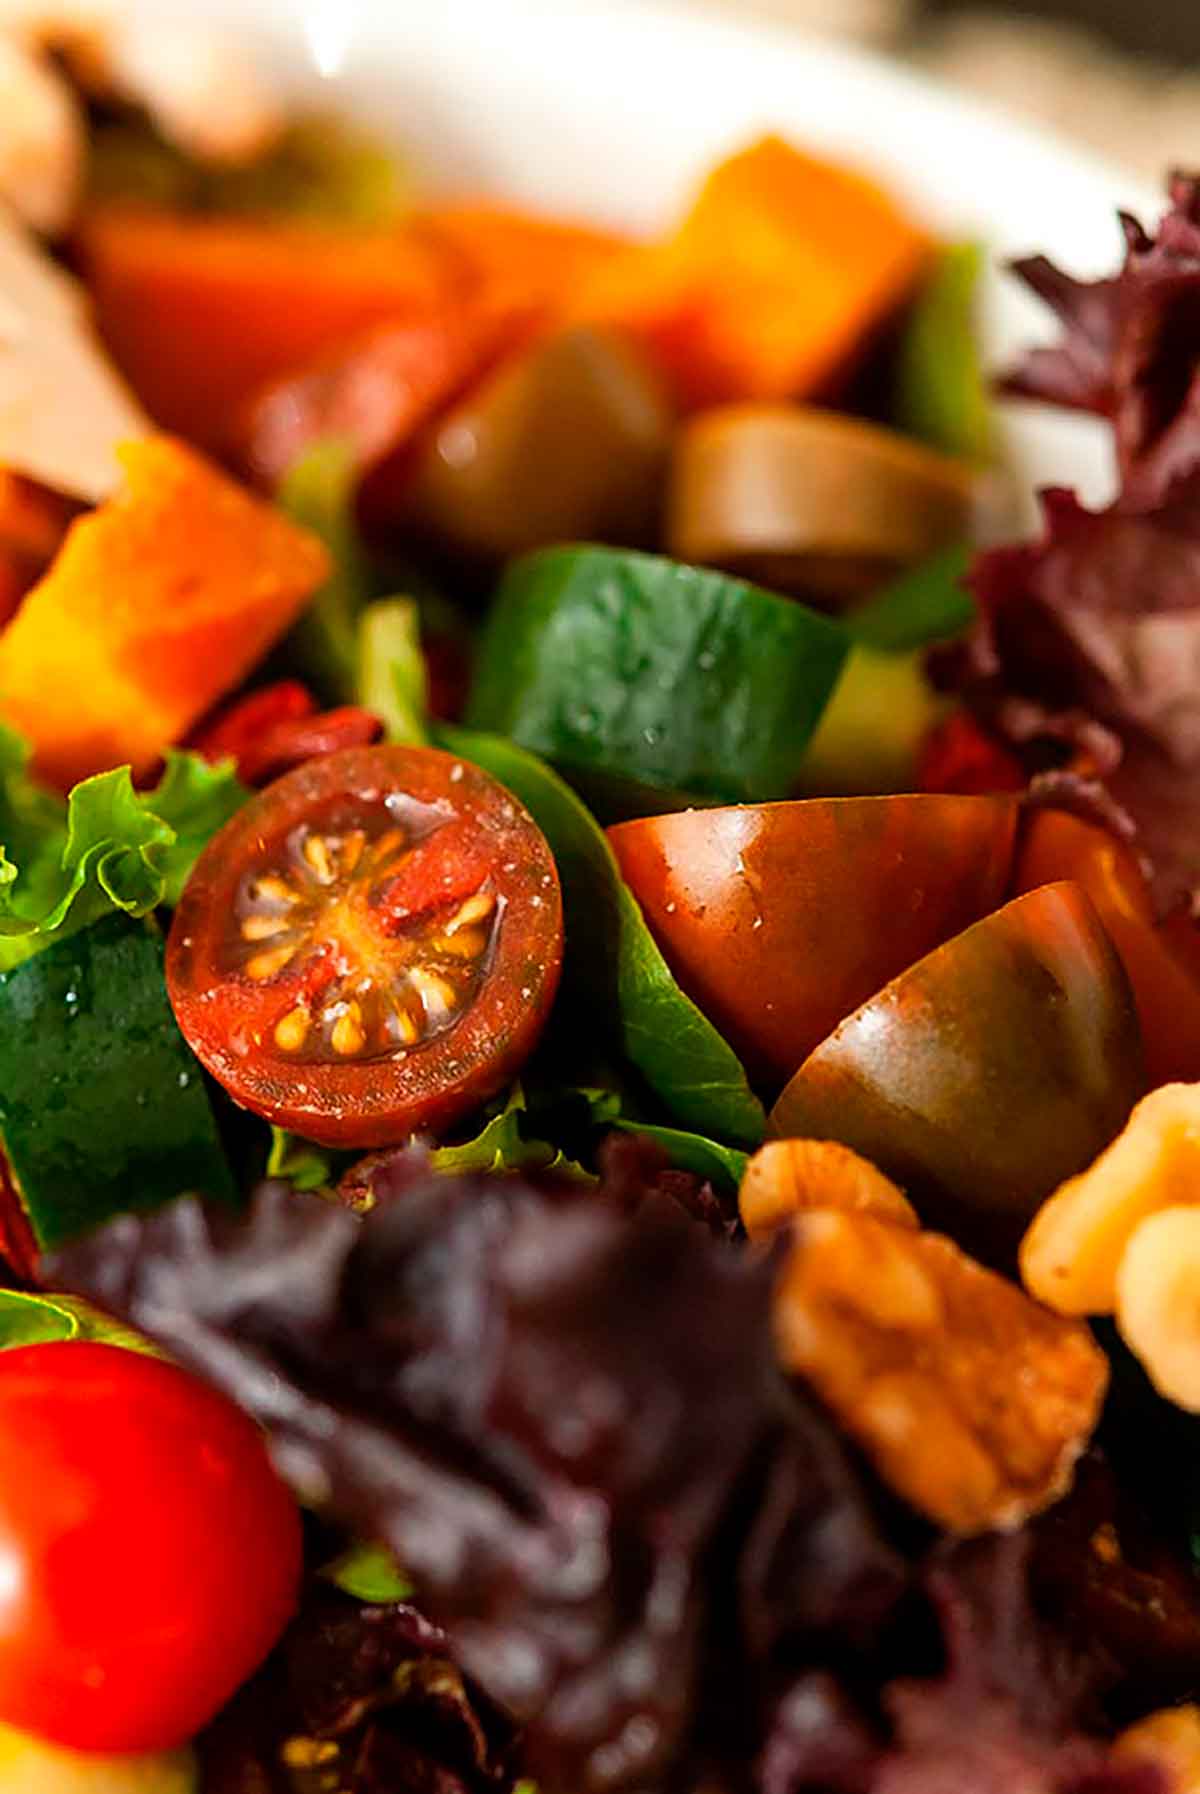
x,y
370,947
985,1075
779,919
1055,846
149,1555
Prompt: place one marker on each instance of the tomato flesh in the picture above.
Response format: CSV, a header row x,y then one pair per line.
x,y
779,919
149,1555
370,947
1055,846
988,1073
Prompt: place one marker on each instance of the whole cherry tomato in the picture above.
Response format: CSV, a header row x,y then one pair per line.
x,y
149,1555
1054,846
986,1074
779,919
370,947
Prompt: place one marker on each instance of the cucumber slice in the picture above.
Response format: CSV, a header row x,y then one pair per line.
x,y
103,1109
639,669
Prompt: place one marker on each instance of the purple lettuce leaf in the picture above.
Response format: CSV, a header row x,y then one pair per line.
x,y
564,1418
1127,351
560,1409
363,1699
1088,650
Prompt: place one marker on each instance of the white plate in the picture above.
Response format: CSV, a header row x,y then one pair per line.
x,y
613,109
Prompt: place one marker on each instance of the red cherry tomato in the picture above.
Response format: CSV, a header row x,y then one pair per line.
x,y
149,1555
370,947
1055,846
779,919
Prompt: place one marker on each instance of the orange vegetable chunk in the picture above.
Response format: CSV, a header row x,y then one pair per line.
x,y
521,258
778,277
157,603
201,312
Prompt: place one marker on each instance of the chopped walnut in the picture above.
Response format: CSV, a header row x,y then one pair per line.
x,y
1071,1253
1171,1740
789,1177
1156,1303
972,1400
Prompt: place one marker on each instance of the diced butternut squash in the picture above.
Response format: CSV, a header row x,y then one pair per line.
x,y
521,258
157,603
780,275
202,312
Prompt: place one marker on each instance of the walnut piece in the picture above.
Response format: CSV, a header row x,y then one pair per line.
x,y
973,1401
1071,1253
1156,1306
787,1177
1171,1740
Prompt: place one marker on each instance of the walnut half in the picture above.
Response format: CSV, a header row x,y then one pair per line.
x,y
973,1401
1170,1740
786,1177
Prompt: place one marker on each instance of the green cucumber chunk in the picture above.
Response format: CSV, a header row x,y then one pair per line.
x,y
632,667
103,1108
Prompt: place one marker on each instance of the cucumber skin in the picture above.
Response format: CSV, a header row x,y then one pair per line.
x,y
103,1108
674,678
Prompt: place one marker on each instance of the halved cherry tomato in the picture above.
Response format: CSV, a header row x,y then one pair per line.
x,y
1054,846
149,1555
278,727
779,919
370,947
982,1077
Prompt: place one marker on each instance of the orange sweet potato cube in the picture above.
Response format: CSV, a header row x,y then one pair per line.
x,y
157,603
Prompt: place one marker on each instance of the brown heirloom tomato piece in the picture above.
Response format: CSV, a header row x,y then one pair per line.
x,y
370,947
1054,846
779,919
982,1078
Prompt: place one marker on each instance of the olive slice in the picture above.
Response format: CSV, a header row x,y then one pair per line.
x,y
808,501
980,1079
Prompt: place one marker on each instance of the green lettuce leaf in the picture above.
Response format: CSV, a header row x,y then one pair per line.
x,y
318,491
391,669
614,969
304,1164
369,1573
108,847
723,1166
941,390
29,1318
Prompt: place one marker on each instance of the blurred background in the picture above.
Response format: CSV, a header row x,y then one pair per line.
x,y
1122,76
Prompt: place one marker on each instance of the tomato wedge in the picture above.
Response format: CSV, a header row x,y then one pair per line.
x,y
779,919
370,947
984,1076
1054,846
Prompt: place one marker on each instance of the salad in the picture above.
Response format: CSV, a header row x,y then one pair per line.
x,y
599,981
